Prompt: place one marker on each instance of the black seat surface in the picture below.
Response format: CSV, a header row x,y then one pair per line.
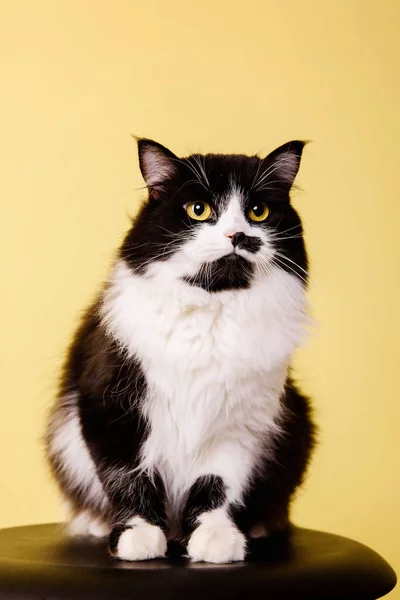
x,y
39,561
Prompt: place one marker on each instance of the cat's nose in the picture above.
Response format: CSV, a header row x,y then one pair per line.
x,y
236,238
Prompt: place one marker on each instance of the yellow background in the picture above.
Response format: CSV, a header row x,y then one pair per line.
x,y
78,76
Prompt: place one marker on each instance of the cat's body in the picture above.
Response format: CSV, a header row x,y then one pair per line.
x,y
177,417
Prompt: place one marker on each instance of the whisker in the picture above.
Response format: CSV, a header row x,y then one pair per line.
x,y
274,167
194,170
196,157
256,174
184,185
286,237
282,263
266,267
293,262
291,228
312,279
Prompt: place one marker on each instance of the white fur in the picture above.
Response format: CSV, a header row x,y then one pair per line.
x,y
216,539
85,524
216,364
212,240
142,542
232,219
68,444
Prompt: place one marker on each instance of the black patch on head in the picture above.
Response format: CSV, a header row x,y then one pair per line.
x,y
163,225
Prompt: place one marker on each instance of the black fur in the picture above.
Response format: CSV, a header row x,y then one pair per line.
x,y
110,387
251,244
231,272
268,499
116,533
163,221
206,493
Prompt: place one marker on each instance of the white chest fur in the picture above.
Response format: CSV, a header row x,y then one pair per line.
x,y
215,366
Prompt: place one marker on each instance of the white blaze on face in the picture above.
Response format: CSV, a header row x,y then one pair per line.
x,y
213,240
232,219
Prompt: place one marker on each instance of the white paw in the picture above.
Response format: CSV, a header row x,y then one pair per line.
x,y
217,543
141,542
98,528
85,525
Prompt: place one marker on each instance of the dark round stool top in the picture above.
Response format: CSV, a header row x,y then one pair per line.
x,y
39,561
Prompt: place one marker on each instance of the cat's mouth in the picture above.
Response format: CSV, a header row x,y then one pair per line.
x,y
229,272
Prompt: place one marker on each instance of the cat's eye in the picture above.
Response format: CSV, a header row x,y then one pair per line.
x,y
258,212
199,211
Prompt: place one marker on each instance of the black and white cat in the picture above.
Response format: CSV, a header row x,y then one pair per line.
x,y
177,417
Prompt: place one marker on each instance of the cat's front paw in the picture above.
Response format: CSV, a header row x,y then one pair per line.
x,y
219,542
140,541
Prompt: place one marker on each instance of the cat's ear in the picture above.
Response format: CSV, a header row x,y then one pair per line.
x,y
282,165
157,164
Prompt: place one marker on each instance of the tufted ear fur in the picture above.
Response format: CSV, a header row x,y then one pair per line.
x,y
283,163
157,164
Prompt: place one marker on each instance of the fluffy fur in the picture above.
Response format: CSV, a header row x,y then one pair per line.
x,y
177,417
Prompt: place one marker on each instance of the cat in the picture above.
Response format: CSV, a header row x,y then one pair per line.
x,y
177,417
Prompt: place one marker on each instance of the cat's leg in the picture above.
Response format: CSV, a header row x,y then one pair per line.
x,y
224,473
266,504
214,536
83,522
139,526
265,509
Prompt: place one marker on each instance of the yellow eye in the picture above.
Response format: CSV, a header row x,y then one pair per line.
x,y
199,211
258,212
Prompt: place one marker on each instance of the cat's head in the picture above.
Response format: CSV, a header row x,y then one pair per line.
x,y
217,221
